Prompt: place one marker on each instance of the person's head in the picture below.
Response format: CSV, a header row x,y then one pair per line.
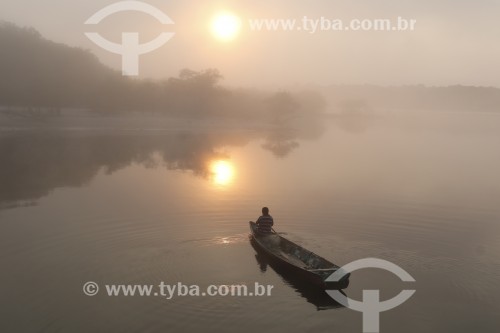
x,y
265,211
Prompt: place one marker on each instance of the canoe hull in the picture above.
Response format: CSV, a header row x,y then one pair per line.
x,y
296,260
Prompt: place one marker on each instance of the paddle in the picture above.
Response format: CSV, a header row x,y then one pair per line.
x,y
322,269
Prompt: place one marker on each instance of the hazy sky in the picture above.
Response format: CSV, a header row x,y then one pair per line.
x,y
455,41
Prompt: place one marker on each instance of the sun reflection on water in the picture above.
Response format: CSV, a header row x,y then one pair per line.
x,y
222,172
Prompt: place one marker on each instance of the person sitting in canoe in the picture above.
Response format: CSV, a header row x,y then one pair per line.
x,y
265,222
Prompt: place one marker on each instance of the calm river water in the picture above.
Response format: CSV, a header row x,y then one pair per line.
x,y
172,205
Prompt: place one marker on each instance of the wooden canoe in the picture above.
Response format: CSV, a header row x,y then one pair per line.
x,y
299,261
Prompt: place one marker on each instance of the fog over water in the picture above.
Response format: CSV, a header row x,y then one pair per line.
x,y
135,206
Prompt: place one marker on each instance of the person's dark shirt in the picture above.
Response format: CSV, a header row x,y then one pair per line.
x,y
265,223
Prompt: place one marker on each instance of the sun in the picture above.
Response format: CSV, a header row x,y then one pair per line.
x,y
226,26
222,172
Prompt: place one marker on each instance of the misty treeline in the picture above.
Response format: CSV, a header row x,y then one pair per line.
x,y
37,74
352,98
